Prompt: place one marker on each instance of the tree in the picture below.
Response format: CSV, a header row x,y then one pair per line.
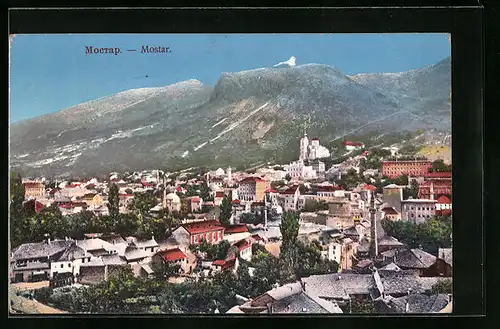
x,y
250,218
442,287
288,251
360,306
51,221
143,202
440,166
80,223
222,249
205,192
288,177
226,211
412,191
113,201
16,205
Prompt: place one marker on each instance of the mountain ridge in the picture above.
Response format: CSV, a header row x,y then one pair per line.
x,y
247,117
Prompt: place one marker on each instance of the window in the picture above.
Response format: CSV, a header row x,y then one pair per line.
x,y
62,265
69,265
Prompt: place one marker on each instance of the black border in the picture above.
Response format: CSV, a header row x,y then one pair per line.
x,y
465,26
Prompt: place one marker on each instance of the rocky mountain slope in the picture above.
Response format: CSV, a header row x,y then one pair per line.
x,y
247,118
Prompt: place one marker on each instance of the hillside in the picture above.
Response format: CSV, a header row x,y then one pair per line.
x,y
247,118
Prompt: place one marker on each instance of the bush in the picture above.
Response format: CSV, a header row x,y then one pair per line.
x,y
43,294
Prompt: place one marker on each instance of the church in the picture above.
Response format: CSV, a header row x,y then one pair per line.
x,y
308,166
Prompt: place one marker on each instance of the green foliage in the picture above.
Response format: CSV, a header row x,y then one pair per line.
x,y
361,306
440,166
350,180
442,287
42,295
412,191
205,192
113,200
288,177
408,150
431,235
226,210
277,184
212,251
142,203
250,218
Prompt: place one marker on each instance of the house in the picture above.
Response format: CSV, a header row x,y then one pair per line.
x,y
252,189
413,303
70,261
172,256
444,262
288,199
33,190
218,196
290,298
172,202
194,204
96,247
416,259
193,233
327,192
340,287
101,269
73,191
397,168
225,265
244,248
391,213
350,146
435,184
393,196
150,246
443,205
134,255
235,233
93,199
387,242
418,210
401,283
32,261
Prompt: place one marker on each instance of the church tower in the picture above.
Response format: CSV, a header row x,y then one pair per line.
x,y
304,147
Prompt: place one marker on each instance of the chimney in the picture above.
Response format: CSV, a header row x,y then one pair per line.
x,y
407,308
48,240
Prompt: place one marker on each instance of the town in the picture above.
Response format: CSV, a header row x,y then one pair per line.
x,y
370,234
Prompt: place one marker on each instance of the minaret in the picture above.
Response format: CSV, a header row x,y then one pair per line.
x,y
373,228
304,145
265,209
432,190
229,175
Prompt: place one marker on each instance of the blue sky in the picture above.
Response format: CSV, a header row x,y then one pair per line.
x,y
51,72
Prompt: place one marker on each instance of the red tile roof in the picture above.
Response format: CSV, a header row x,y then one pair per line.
x,y
236,201
353,143
219,194
144,183
269,190
219,262
390,211
242,228
172,254
252,179
201,227
243,244
443,199
195,199
53,191
257,237
369,187
315,139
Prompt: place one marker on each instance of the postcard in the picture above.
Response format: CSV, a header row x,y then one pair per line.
x,y
230,174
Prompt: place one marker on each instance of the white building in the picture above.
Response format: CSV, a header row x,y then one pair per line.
x,y
418,210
